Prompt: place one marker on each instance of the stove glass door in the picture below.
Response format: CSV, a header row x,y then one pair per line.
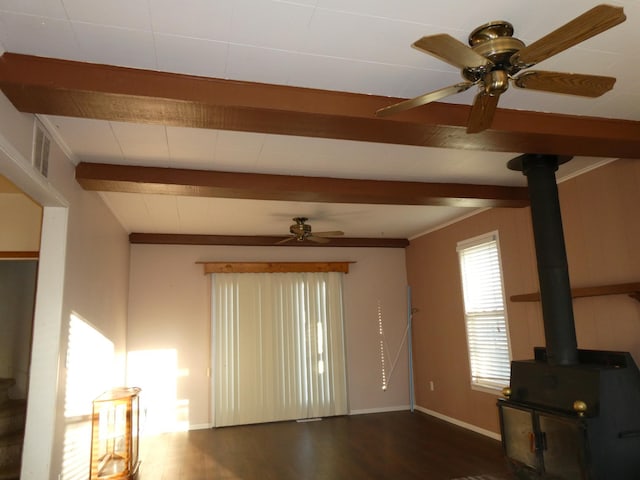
x,y
564,443
519,436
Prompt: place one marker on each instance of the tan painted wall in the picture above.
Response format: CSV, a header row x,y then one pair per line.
x,y
602,236
169,310
20,220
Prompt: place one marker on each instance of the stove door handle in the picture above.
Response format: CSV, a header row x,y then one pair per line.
x,y
537,441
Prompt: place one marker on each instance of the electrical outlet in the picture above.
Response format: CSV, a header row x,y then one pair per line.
x,y
431,385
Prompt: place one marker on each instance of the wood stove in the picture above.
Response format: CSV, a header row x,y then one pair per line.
x,y
568,414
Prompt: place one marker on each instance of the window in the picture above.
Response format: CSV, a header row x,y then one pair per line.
x,y
484,311
278,348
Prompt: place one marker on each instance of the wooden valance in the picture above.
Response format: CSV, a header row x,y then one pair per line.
x,y
274,267
21,255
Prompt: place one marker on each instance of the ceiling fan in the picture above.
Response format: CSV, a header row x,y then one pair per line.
x,y
301,231
495,57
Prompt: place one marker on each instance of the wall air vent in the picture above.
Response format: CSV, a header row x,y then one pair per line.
x,y
41,146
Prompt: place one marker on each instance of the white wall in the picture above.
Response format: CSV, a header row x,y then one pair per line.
x,y
84,264
95,288
169,314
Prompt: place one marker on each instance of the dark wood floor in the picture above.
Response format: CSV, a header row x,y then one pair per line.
x,y
398,446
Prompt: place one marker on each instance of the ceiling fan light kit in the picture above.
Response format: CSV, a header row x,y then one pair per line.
x,y
494,58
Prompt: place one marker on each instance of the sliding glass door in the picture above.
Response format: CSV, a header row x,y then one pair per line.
x,y
278,347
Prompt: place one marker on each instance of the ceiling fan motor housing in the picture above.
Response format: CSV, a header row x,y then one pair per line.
x,y
494,41
300,229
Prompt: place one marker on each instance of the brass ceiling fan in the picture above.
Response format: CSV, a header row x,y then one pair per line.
x,y
495,57
301,231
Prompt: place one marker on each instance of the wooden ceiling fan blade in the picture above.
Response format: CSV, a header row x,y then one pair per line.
x,y
423,99
569,83
452,51
482,112
581,28
336,233
317,239
285,240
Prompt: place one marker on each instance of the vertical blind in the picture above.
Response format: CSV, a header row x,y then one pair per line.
x,y
278,347
485,317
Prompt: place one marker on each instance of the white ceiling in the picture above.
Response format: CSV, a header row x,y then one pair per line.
x,y
360,46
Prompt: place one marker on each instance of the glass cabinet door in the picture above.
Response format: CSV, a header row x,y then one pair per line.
x,y
114,437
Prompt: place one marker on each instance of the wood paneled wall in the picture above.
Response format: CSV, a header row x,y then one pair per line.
x,y
602,234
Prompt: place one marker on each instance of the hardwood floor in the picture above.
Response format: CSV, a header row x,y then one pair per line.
x,y
398,446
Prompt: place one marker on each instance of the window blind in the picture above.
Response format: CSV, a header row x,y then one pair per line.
x,y
484,310
278,347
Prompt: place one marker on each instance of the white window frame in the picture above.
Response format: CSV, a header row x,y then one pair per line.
x,y
483,383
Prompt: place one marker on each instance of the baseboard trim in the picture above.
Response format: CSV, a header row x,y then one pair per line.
x,y
200,426
399,408
460,423
364,411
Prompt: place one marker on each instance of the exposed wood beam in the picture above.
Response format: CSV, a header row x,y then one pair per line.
x,y
261,241
61,87
206,183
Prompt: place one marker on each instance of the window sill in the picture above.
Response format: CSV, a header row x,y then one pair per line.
x,y
497,391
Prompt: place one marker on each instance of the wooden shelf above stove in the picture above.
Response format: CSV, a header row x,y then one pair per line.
x,y
631,289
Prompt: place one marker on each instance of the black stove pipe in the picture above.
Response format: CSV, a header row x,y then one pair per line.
x,y
551,255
